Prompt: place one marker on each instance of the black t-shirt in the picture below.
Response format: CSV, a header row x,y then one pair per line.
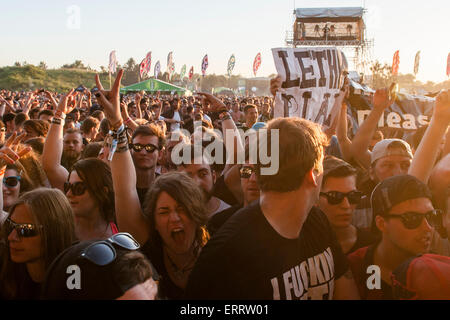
x,y
220,218
167,289
364,238
222,192
248,260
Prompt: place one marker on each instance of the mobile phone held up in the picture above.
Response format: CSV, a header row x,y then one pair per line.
x,y
80,88
94,90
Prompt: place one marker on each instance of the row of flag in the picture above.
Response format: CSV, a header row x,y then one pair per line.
x,y
145,65
396,63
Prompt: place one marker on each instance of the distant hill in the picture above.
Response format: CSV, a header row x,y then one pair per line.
x,y
30,77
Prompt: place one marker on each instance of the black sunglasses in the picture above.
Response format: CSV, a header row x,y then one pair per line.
x,y
246,172
102,253
336,197
24,230
77,188
413,220
137,147
11,182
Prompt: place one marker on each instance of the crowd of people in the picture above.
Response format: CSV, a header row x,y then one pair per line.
x,y
96,205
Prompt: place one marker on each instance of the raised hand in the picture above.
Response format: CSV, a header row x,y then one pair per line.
x,y
275,85
442,107
381,99
9,153
110,100
67,102
216,105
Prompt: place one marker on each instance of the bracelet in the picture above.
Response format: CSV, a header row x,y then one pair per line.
x,y
2,171
60,114
57,121
127,121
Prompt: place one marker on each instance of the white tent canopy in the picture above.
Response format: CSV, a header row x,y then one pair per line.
x,y
352,12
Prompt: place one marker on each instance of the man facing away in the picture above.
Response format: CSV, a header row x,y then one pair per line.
x,y
278,247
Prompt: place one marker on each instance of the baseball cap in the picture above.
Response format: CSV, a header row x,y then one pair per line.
x,y
97,282
424,277
259,125
395,190
389,147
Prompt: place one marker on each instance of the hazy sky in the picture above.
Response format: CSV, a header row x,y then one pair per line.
x,y
45,30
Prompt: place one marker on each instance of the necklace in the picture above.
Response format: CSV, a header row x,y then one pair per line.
x,y
180,272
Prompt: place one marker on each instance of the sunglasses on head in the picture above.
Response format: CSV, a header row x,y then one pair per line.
x,y
246,172
137,147
413,220
336,197
24,230
77,188
11,182
102,253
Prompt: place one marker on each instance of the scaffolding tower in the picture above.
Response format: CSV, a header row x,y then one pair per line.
x,y
342,27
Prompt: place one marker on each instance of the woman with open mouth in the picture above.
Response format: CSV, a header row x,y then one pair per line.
x,y
171,227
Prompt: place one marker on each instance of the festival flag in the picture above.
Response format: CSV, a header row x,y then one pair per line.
x,y
172,70
191,73
416,63
256,63
396,63
182,72
112,62
157,69
230,66
204,65
169,63
448,65
146,64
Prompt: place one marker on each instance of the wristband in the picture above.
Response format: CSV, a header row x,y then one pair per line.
x,y
60,114
57,121
2,171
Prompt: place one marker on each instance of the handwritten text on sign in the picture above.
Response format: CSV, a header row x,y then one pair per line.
x,y
311,82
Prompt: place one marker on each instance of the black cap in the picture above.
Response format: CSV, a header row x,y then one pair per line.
x,y
395,190
96,282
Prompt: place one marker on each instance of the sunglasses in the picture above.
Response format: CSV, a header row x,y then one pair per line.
x,y
102,253
24,230
77,188
246,172
413,220
336,197
11,182
137,147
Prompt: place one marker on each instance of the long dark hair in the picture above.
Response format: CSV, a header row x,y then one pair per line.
x,y
97,176
186,193
50,209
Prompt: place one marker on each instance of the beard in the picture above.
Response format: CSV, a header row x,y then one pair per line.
x,y
71,155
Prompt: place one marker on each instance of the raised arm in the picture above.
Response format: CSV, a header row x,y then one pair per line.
x,y
53,146
130,123
50,97
128,209
427,152
341,132
360,144
9,154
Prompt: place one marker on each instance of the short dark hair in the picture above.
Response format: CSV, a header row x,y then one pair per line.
x,y
20,118
336,168
46,112
88,124
9,117
301,148
151,130
250,106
